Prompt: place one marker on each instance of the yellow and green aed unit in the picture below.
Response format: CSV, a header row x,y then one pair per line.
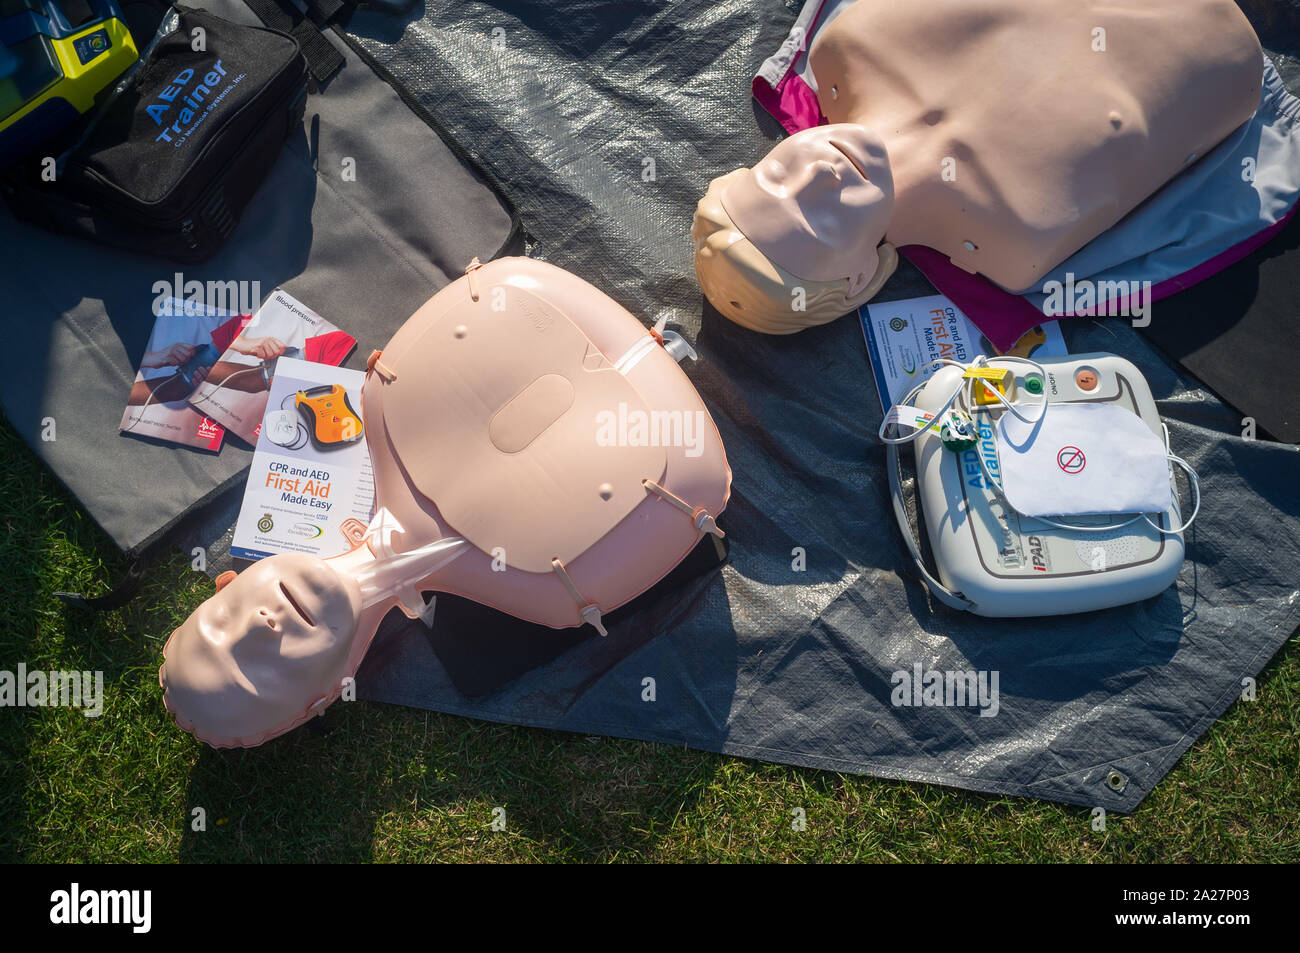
x,y
56,57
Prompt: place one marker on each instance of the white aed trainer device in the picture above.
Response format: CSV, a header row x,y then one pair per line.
x,y
995,561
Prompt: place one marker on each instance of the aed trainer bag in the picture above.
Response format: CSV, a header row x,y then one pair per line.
x,y
168,164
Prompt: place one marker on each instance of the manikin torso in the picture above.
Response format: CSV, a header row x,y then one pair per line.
x,y
1019,130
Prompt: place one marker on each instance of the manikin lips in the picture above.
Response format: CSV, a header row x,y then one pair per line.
x,y
844,151
297,607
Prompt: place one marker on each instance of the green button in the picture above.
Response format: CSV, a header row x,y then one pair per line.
x,y
1034,385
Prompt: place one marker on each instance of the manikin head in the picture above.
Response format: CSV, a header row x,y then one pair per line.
x,y
265,653
809,216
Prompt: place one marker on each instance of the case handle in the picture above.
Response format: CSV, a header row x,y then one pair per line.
x,y
940,591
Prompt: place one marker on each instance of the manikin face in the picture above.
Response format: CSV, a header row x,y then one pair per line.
x,y
818,204
269,644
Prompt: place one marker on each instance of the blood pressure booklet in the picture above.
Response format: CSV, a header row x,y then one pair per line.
x,y
234,390
904,337
311,469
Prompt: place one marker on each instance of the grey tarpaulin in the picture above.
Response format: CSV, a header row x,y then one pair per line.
x,y
604,122
363,251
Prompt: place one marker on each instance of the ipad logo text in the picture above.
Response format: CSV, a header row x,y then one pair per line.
x,y
943,689
102,907
38,689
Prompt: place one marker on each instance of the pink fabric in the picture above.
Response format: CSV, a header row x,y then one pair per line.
x,y
792,102
1004,317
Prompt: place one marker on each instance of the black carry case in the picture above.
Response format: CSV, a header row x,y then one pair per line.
x,y
167,166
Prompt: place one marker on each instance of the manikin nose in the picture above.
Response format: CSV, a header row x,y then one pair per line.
x,y
823,169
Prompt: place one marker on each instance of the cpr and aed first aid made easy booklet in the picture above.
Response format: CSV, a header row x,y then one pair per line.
x,y
308,475
905,336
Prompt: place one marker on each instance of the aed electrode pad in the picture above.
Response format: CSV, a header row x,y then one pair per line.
x,y
281,428
997,562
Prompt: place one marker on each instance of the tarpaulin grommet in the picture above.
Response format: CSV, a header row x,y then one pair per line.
x,y
1117,781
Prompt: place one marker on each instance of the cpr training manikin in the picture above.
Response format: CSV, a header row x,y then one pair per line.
x,y
1005,134
516,428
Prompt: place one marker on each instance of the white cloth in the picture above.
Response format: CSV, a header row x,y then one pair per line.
x,y
1083,459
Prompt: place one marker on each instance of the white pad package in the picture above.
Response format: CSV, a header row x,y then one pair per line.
x,y
1083,459
281,427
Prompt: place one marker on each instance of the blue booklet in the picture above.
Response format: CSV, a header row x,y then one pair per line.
x,y
905,337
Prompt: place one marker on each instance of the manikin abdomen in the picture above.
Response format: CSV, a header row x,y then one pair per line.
x,y
1019,130
506,502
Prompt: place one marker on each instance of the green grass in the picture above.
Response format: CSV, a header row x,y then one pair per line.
x,y
396,784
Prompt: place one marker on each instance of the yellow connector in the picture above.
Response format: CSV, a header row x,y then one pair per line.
x,y
989,380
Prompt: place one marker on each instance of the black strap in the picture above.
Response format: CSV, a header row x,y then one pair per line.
x,y
118,596
323,11
323,59
77,11
274,14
